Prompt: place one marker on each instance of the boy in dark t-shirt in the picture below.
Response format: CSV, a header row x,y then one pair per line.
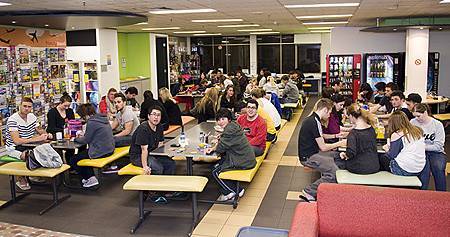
x,y
313,152
147,137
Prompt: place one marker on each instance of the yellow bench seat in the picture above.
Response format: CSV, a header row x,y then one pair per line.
x,y
167,183
20,169
131,169
119,152
290,105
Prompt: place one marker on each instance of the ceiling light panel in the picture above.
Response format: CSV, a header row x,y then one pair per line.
x,y
254,30
355,4
325,23
190,32
321,28
238,26
324,16
207,34
163,28
217,20
3,4
265,33
186,11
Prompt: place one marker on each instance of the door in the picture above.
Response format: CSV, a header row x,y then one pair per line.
x,y
162,66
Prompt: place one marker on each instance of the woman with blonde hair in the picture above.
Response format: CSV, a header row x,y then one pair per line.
x,y
361,155
170,106
405,152
250,86
206,108
270,85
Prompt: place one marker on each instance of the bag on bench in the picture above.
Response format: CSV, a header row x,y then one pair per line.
x,y
43,156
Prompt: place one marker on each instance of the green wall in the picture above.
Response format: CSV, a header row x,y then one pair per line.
x,y
135,49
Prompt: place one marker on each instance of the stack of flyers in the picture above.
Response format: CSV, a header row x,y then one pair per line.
x,y
3,77
54,72
36,90
61,55
25,74
52,55
62,71
3,56
35,73
24,56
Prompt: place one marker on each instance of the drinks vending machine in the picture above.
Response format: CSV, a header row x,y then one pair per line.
x,y
346,68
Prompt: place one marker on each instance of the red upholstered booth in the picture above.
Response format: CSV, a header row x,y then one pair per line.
x,y
354,210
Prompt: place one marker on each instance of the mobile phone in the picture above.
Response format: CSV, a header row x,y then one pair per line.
x,y
175,145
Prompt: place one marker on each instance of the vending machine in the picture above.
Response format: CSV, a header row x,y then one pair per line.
x,y
433,73
389,67
346,68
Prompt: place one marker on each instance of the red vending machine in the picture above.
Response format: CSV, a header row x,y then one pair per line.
x,y
346,68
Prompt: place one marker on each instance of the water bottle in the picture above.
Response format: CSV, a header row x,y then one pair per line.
x,y
182,139
201,138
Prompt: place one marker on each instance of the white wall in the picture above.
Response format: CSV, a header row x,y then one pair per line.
x,y
440,42
107,42
82,53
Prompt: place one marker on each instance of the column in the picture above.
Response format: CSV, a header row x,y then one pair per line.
x,y
416,68
253,55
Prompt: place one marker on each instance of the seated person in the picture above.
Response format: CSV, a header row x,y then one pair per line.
x,y
131,94
58,116
149,101
361,156
412,100
22,127
126,121
365,93
436,158
206,108
106,105
379,92
254,127
228,99
290,93
314,152
327,92
405,154
398,103
236,154
147,137
203,86
170,106
334,125
337,86
98,137
269,108
385,102
271,86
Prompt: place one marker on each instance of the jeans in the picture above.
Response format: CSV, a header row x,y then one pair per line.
x,y
324,163
85,171
397,170
225,186
160,165
436,162
258,151
122,141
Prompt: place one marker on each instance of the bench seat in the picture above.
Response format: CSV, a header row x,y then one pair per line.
x,y
119,152
131,169
172,128
382,178
166,183
290,105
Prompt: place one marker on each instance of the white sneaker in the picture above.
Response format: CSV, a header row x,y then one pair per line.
x,y
241,193
83,181
308,196
224,198
92,181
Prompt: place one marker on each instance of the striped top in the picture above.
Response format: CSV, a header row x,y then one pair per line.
x,y
26,129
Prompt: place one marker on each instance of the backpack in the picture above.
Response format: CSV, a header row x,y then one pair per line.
x,y
43,156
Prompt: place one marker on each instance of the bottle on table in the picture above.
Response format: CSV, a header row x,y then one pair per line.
x,y
182,139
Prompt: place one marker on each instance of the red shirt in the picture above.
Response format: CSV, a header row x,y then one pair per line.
x,y
255,130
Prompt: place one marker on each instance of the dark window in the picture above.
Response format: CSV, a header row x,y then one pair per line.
x,y
288,62
238,56
219,57
81,38
269,57
268,39
287,39
206,58
309,57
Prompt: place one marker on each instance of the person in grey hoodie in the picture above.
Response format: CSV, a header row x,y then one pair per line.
x,y
235,152
290,93
98,137
434,134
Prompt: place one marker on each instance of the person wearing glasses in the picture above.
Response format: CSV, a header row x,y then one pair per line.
x,y
254,126
125,122
436,159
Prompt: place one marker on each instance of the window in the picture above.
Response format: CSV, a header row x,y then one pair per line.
x,y
269,57
276,53
308,58
288,58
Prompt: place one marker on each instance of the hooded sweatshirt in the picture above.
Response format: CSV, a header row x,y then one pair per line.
x,y
98,136
235,149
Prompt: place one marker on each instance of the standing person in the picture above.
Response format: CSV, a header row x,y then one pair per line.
x,y
361,156
126,121
243,81
236,154
58,116
149,101
290,93
412,100
228,99
206,108
22,127
170,106
107,104
130,94
405,153
98,137
254,126
313,152
436,158
149,136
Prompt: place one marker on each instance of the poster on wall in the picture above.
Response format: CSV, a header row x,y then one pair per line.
x,y
32,37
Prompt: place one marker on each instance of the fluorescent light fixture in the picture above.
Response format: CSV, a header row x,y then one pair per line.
x,y
321,28
163,28
324,16
186,11
348,4
325,23
320,31
237,26
13,22
2,4
216,20
208,34
444,1
190,32
265,33
225,41
46,25
142,23
254,30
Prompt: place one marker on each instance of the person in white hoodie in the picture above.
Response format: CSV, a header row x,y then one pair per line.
x,y
436,158
268,107
405,151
